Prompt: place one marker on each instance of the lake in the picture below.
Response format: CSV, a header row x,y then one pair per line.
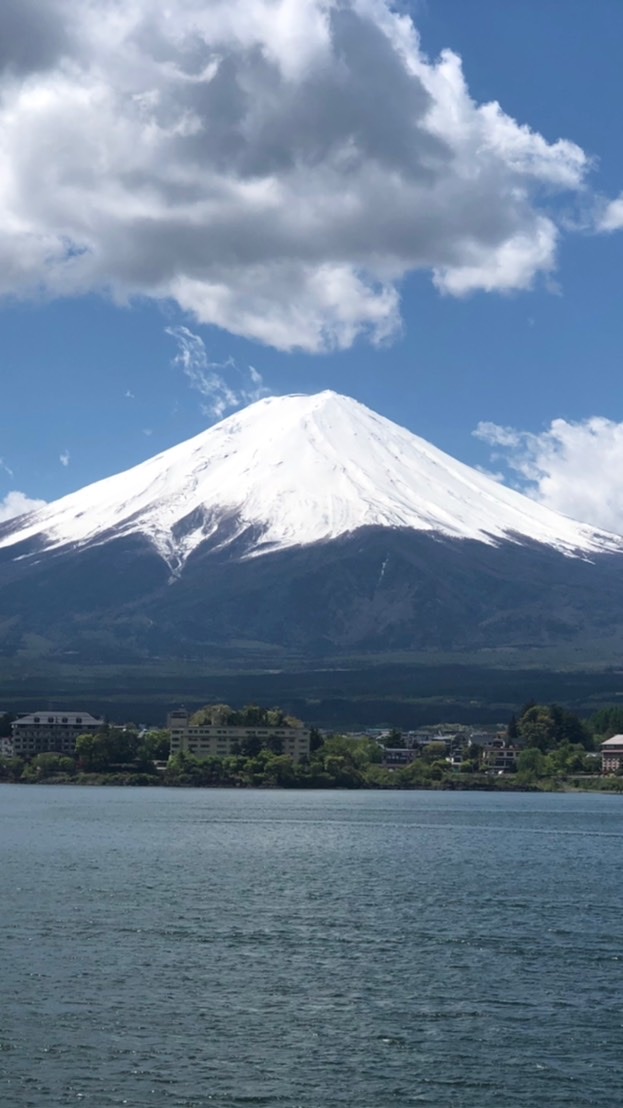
x,y
223,948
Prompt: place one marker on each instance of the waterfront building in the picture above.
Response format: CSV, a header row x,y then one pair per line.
x,y
225,739
51,732
612,754
499,757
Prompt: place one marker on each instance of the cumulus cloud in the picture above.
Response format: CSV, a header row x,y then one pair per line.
x,y
209,378
276,167
18,504
575,468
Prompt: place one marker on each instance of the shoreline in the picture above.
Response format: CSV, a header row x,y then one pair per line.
x,y
144,781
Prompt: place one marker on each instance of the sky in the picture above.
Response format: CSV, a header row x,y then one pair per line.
x,y
416,204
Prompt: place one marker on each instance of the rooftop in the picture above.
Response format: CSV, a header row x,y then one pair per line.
x,y
67,718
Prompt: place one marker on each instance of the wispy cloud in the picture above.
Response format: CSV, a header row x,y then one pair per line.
x,y
129,395
223,385
5,468
17,504
65,458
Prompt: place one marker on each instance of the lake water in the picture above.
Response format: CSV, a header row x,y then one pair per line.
x,y
214,949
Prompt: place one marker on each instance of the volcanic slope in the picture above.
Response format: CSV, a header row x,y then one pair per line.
x,y
303,526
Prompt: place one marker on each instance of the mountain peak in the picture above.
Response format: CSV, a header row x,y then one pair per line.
x,y
297,470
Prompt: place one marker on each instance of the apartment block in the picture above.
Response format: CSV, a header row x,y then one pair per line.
x,y
223,740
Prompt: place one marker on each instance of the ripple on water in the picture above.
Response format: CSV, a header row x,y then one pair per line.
x,y
222,948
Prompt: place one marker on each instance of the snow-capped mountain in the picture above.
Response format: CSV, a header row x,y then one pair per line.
x,y
292,471
304,527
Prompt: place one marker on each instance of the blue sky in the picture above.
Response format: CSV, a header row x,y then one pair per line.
x,y
95,381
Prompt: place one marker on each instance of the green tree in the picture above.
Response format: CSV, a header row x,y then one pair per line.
x,y
532,763
274,743
108,747
253,716
44,766
433,752
537,728
547,726
155,746
11,768
608,721
315,740
6,719
394,740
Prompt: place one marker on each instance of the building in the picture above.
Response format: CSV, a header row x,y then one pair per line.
x,y
612,754
51,732
499,757
224,739
396,756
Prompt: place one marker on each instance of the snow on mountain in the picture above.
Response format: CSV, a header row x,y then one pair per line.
x,y
299,470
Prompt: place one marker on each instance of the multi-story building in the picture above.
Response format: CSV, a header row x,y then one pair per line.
x,y
612,754
51,732
224,739
499,757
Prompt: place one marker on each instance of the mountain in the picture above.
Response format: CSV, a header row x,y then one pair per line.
x,y
300,529
292,471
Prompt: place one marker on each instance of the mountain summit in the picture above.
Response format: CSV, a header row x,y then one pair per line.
x,y
290,472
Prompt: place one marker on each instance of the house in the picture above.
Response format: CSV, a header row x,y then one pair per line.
x,y
612,754
499,757
394,756
51,732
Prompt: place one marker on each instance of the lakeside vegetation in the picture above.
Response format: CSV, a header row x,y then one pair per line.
x,y
558,751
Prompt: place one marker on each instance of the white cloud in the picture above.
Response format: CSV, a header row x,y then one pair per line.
x,y
274,166
17,504
209,379
65,458
611,218
6,468
575,468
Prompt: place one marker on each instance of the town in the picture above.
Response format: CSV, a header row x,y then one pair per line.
x,y
255,746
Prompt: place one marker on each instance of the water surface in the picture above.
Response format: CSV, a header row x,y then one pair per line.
x,y
222,948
